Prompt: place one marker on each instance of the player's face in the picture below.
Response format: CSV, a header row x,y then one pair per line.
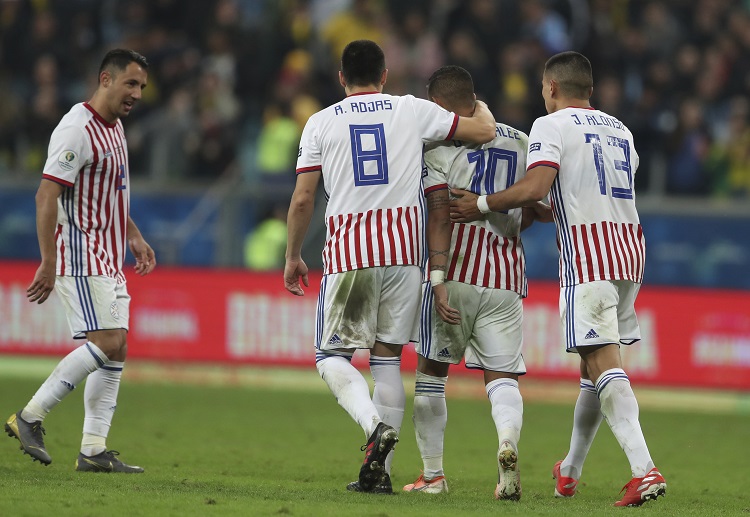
x,y
125,89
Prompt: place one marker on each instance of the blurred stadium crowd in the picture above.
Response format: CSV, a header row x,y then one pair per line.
x,y
232,82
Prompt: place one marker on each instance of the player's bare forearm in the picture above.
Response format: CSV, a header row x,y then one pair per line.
x,y
46,221
438,229
301,208
479,128
145,258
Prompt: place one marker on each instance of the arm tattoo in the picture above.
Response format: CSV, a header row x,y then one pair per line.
x,y
437,202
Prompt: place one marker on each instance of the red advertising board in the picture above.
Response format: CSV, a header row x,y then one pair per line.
x,y
690,337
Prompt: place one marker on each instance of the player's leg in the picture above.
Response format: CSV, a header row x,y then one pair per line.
x,y
108,314
587,417
397,317
608,308
83,315
430,418
495,347
440,345
347,320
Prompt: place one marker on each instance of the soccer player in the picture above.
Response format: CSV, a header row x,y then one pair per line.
x,y
368,148
472,305
84,229
587,159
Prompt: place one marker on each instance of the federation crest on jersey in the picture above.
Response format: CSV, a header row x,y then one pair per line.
x,y
114,311
68,160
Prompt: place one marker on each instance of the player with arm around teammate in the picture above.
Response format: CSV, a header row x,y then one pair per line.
x,y
586,161
368,149
84,229
472,306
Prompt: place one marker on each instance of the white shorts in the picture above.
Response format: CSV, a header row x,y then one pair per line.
x,y
599,313
489,336
93,303
357,308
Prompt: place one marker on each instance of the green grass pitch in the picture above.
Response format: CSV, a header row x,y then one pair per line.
x,y
213,449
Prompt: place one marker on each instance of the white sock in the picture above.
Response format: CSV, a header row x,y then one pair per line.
x,y
430,418
349,387
620,409
586,420
68,373
507,409
100,402
388,396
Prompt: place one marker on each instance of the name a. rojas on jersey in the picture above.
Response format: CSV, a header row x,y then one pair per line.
x,y
363,106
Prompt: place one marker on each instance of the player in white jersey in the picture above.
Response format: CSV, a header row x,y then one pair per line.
x,y
84,228
585,160
478,278
368,149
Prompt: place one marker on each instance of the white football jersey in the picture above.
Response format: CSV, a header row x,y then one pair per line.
x,y
90,156
369,149
598,230
487,252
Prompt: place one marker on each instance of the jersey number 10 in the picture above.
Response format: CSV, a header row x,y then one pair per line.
x,y
485,169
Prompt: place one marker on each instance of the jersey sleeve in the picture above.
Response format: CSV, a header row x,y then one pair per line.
x,y
545,144
435,123
308,157
435,170
67,153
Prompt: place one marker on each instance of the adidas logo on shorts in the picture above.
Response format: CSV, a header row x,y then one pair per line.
x,y
335,340
444,353
591,334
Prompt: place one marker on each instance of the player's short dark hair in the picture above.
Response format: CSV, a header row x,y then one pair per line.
x,y
572,72
119,59
362,63
453,85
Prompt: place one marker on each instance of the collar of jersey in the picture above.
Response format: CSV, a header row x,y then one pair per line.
x,y
362,93
581,108
97,116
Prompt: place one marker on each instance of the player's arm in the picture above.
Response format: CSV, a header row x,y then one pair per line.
x,y
298,220
145,258
438,244
467,206
46,221
479,128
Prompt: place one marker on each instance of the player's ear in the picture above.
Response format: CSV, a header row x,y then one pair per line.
x,y
384,77
342,81
105,78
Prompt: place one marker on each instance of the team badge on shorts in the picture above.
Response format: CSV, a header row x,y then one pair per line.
x,y
113,311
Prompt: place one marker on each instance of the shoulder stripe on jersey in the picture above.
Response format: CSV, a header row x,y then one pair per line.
x,y
453,128
57,180
435,188
545,164
314,168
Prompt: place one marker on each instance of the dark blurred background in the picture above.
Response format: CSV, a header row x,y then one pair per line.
x,y
213,144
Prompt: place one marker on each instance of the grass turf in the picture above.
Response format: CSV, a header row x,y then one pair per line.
x,y
244,450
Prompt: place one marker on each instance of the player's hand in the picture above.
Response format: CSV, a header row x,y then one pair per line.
x,y
145,258
447,313
293,270
44,282
543,212
464,206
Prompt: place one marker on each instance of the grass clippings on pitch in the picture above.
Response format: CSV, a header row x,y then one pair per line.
x,y
212,449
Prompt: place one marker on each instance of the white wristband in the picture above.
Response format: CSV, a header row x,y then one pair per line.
x,y
482,205
437,277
